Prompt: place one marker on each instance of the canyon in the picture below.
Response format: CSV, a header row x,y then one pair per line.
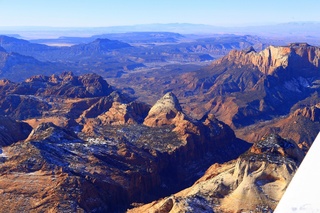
x,y
154,123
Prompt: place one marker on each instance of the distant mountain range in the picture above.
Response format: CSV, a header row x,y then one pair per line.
x,y
113,58
297,30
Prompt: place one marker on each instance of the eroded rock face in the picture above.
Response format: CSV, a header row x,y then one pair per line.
x,y
167,111
254,182
271,58
164,111
40,94
89,150
313,112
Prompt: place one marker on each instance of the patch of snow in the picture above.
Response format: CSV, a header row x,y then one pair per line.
x,y
198,204
3,154
37,98
101,141
32,173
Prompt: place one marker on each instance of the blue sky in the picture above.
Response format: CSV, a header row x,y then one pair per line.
x,y
100,13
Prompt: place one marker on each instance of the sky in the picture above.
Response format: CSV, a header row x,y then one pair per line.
x,y
104,13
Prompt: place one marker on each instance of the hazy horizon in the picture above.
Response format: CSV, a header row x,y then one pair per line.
x,y
169,23
294,31
99,13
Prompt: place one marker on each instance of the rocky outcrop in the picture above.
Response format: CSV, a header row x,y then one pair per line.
x,y
123,113
164,111
271,58
68,85
167,111
313,113
48,132
258,177
61,172
22,107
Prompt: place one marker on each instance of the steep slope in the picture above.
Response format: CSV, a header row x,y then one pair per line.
x,y
254,182
164,111
60,173
301,125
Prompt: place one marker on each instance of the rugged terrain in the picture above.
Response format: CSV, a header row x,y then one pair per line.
x,y
112,56
94,149
246,88
72,142
254,182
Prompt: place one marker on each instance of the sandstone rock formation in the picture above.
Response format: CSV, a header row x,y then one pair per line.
x,y
256,85
271,58
101,157
164,111
167,111
254,182
313,112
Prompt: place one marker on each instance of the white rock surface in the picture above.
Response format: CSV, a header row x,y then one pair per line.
x,y
303,192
